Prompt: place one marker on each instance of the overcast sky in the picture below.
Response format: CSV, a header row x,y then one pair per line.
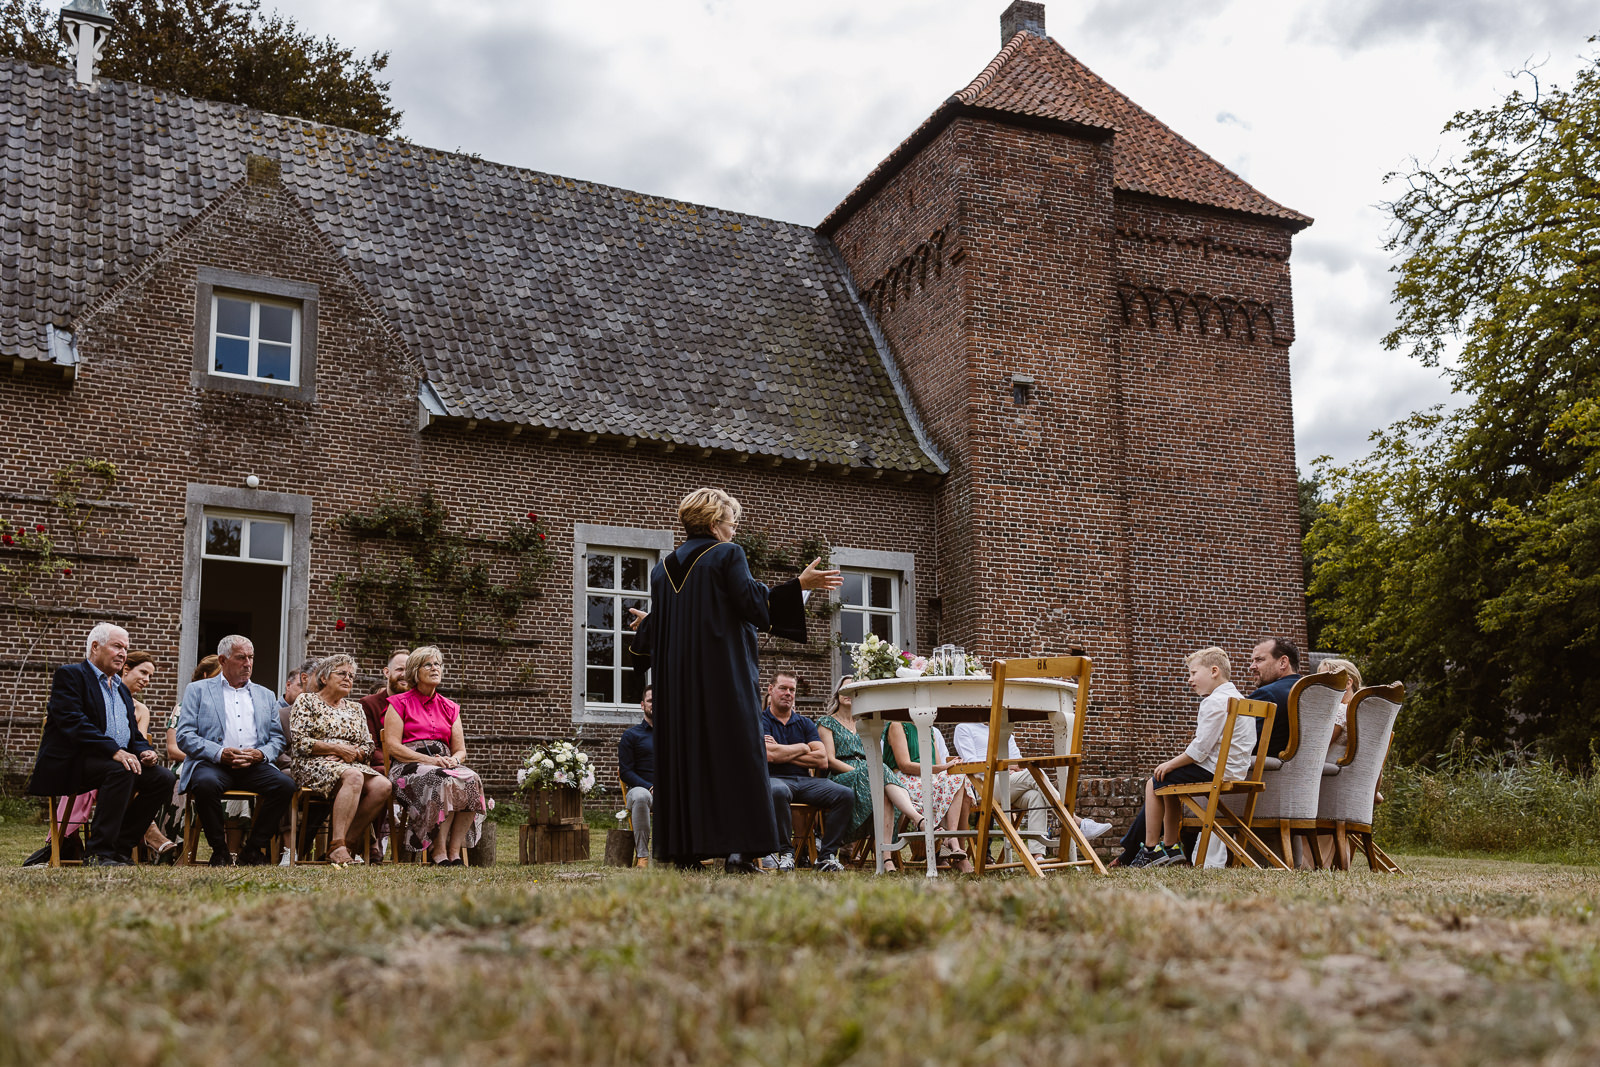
x,y
779,107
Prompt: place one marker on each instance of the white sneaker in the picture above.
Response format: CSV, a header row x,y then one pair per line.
x,y
1092,828
785,861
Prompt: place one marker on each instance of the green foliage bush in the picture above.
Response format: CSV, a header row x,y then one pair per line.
x,y
1492,802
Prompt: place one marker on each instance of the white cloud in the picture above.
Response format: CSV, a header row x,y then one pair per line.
x,y
779,109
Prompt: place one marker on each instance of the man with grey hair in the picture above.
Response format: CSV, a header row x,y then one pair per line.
x,y
92,741
229,731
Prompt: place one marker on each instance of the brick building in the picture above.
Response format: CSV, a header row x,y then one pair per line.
x,y
1028,383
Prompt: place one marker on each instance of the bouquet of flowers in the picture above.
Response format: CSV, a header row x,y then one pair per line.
x,y
875,658
560,763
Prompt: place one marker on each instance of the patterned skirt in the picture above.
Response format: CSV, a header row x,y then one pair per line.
x,y
945,788
430,794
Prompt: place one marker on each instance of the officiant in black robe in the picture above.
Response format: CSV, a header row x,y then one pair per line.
x,y
712,797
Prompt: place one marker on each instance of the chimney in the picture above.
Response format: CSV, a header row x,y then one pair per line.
x,y
1020,16
86,24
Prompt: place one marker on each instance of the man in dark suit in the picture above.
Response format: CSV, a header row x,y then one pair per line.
x,y
92,741
1275,662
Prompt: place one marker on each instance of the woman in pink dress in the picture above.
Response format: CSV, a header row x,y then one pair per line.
x,y
442,799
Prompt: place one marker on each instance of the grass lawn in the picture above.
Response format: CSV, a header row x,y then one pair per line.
x,y
1460,961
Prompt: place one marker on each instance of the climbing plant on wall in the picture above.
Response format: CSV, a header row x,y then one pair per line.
x,y
421,578
40,569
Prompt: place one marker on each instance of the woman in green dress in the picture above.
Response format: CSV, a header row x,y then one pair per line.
x,y
847,763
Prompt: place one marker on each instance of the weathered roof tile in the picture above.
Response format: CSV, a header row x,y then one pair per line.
x,y
528,297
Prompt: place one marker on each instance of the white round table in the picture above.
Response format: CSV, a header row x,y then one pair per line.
x,y
925,701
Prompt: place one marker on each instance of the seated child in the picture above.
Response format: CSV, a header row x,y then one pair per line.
x,y
1208,677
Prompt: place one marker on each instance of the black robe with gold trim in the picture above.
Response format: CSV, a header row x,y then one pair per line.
x,y
712,796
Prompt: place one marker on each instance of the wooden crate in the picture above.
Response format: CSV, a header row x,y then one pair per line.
x,y
558,806
554,844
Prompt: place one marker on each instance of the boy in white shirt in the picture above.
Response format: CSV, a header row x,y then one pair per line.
x,y
1208,677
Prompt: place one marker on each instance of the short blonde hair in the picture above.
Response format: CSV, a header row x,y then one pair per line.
x,y
704,508
1211,657
1328,666
418,658
324,668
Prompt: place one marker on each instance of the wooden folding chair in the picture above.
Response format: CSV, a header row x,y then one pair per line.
x,y
990,814
191,838
397,833
1345,806
299,815
1209,817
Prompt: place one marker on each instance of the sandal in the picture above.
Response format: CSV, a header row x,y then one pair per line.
x,y
336,846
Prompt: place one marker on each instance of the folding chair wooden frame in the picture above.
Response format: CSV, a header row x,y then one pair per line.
x,y
57,824
299,812
191,839
990,814
1208,817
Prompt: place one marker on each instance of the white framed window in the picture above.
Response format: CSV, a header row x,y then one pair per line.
x,y
255,339
617,581
611,573
245,538
878,597
869,604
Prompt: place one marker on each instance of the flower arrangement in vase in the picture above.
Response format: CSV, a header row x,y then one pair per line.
x,y
874,658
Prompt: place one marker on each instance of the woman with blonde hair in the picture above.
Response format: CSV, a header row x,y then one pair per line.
x,y
442,798
713,794
1336,747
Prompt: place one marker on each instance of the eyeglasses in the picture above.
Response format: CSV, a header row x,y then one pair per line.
x,y
344,674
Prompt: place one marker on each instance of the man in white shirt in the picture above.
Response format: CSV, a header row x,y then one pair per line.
x,y
972,745
229,731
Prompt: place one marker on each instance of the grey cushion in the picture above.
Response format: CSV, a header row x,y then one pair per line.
x,y
1330,769
1271,763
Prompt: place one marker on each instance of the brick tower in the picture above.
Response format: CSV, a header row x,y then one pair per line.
x,y
1093,317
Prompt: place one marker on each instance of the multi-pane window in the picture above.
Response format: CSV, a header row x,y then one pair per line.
x,y
245,538
616,580
870,604
255,339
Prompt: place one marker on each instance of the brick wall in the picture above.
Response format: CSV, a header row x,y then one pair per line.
x,y
1141,503
133,403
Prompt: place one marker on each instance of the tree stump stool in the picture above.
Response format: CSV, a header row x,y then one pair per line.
x,y
619,848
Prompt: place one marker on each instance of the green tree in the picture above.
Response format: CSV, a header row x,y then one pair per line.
x,y
220,50
1462,554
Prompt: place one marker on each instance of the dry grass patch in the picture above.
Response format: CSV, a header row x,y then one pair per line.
x,y
1458,962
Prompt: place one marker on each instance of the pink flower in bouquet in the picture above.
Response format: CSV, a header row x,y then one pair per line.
x,y
920,663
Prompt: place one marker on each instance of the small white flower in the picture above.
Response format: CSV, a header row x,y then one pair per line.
x,y
583,757
548,765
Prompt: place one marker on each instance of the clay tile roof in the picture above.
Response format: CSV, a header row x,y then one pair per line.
x,y
1035,78
528,298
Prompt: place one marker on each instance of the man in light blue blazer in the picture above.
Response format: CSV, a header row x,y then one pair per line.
x,y
229,731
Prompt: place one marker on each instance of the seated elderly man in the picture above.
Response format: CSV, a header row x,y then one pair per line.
x,y
794,749
636,766
229,731
972,745
92,741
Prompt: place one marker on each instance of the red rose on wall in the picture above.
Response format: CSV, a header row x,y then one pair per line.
x,y
66,571
39,526
541,537
533,516
8,539
338,624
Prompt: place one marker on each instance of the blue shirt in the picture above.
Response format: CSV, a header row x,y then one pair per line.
x,y
116,718
799,730
636,756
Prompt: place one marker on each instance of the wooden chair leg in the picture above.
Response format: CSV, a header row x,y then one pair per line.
x,y
1069,825
55,833
1388,864
1342,846
190,844
1287,840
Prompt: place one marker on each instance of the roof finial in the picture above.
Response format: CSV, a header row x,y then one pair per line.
x,y
86,24
1020,16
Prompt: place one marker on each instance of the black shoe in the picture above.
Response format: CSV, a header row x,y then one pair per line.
x,y
94,860
253,857
737,864
457,862
221,858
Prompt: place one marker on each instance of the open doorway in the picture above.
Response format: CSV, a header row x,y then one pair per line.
x,y
243,578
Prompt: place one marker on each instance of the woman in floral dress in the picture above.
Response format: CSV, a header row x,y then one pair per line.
x,y
330,743
950,794
443,800
847,764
